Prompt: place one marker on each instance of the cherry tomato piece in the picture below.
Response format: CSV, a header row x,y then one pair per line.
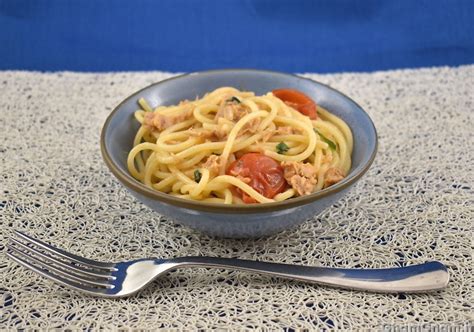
x,y
298,100
261,172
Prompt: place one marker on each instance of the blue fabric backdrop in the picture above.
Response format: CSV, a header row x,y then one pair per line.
x,y
179,35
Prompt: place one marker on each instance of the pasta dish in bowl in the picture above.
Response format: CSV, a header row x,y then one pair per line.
x,y
238,153
234,147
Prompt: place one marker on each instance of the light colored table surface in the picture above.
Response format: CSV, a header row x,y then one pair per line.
x,y
415,204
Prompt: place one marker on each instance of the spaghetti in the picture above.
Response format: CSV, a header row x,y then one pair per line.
x,y
234,147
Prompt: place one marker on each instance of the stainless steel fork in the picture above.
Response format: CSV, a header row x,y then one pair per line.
x,y
125,278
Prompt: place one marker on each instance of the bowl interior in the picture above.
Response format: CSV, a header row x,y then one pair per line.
x,y
121,127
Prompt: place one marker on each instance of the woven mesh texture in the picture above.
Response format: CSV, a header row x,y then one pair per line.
x,y
415,204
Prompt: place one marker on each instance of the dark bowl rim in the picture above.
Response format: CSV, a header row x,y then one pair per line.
x,y
134,185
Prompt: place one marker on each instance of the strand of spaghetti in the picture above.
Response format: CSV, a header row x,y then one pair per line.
x,y
223,96
286,138
242,186
225,124
162,175
339,123
136,141
297,150
149,167
346,160
321,175
318,157
209,146
294,148
225,90
146,153
283,108
214,200
194,160
214,187
202,183
174,136
131,158
219,194
161,108
140,116
336,160
181,176
209,126
186,197
295,138
155,135
163,167
228,196
179,126
144,104
177,147
250,104
271,115
176,188
284,195
311,144
337,135
148,137
190,141
217,94
233,135
269,131
299,116
290,144
245,141
197,113
163,184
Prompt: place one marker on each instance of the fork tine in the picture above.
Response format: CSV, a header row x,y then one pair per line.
x,y
49,269
57,279
76,268
64,254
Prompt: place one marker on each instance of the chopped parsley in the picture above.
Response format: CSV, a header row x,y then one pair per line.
x,y
233,100
331,144
197,176
281,148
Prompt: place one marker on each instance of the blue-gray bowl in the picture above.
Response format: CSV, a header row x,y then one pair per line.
x,y
239,221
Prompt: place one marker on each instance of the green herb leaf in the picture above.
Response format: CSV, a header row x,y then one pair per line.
x,y
281,148
197,176
331,144
234,100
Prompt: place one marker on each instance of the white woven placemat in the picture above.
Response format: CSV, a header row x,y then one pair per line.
x,y
415,204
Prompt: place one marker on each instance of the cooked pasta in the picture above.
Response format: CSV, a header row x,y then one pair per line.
x,y
234,147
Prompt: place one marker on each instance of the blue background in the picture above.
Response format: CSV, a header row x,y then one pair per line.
x,y
178,35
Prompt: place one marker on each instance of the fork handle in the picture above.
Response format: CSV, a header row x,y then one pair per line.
x,y
415,278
